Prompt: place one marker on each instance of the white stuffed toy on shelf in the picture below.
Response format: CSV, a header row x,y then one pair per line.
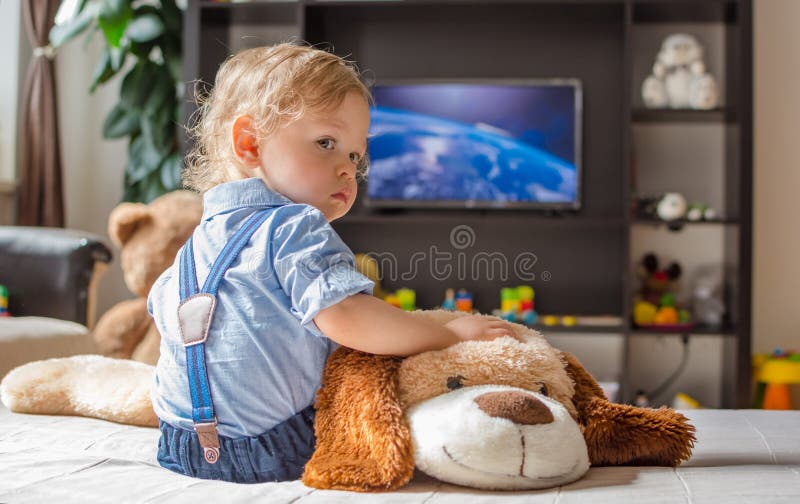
x,y
679,79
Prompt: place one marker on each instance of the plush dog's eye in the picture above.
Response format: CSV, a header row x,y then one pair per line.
x,y
543,390
455,382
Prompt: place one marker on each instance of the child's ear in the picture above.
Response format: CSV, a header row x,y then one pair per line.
x,y
245,142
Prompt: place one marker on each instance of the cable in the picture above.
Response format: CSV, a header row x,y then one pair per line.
x,y
669,381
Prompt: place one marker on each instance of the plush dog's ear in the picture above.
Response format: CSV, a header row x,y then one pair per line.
x,y
363,440
619,434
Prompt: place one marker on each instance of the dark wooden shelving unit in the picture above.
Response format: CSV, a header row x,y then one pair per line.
x,y
644,115
608,45
579,329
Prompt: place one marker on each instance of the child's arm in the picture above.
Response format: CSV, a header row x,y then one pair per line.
x,y
368,324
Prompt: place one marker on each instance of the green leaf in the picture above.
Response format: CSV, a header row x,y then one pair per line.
x,y
142,50
158,134
113,20
171,171
102,71
144,28
120,122
171,51
137,84
162,91
151,187
117,58
143,159
145,190
173,17
69,30
116,10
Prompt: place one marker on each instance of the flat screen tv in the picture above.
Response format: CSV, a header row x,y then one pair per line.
x,y
476,144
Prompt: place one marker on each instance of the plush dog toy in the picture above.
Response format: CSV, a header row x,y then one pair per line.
x,y
501,414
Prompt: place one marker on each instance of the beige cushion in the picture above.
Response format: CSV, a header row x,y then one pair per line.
x,y
26,339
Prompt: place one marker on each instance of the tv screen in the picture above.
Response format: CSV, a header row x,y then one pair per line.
x,y
476,144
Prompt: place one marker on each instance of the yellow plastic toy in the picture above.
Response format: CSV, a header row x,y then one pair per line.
x,y
776,372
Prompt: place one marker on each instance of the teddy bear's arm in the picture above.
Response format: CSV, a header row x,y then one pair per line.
x,y
120,330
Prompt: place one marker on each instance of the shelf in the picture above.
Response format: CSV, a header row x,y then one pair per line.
x,y
253,4
558,329
535,219
696,330
685,11
679,223
717,115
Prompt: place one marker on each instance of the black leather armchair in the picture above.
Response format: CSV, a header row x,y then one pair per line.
x,y
51,272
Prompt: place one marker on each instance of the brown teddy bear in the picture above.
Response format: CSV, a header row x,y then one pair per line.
x,y
507,413
149,237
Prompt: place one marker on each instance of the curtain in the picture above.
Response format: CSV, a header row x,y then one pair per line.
x,y
40,199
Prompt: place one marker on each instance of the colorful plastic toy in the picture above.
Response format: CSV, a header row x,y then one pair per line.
x,y
516,304
655,304
405,299
449,302
773,374
4,301
393,300
463,300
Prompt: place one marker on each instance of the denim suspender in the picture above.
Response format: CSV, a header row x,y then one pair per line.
x,y
194,317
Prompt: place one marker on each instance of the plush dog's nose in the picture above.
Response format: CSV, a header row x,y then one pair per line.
x,y
519,407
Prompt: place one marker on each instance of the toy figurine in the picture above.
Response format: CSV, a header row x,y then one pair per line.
x,y
449,302
700,211
463,301
655,303
672,206
393,300
679,78
407,298
516,304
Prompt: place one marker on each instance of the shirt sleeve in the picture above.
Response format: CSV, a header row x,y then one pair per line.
x,y
314,266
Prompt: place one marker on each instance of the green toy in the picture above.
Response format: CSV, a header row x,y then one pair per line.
x,y
4,301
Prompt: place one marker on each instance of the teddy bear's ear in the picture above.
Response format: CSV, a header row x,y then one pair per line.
x,y
124,219
619,434
363,439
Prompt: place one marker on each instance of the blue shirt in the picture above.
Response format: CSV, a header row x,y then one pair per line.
x,y
264,352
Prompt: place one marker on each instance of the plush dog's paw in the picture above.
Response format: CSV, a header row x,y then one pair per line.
x,y
618,434
83,385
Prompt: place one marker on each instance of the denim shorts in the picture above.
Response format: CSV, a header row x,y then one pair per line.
x,y
280,454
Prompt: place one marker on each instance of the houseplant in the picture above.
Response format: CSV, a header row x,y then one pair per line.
x,y
143,40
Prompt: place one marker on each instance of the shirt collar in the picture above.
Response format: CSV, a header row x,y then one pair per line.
x,y
229,196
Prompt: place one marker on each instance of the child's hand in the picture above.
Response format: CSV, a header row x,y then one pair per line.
x,y
476,327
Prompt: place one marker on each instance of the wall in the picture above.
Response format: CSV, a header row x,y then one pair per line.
x,y
776,241
10,34
776,320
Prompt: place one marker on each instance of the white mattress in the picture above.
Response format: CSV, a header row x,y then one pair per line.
x,y
741,456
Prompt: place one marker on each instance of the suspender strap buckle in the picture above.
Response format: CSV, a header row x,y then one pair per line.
x,y
194,317
209,440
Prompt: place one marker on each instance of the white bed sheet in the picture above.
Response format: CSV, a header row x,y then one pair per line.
x,y
748,456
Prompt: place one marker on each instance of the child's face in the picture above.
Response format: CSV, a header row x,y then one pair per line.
x,y
313,160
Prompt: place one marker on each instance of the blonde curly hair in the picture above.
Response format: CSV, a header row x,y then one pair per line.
x,y
275,85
